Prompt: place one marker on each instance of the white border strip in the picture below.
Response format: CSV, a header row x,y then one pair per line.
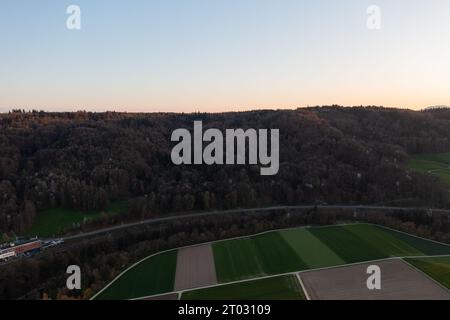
x,y
303,286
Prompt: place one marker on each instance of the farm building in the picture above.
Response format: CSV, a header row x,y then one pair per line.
x,y
20,248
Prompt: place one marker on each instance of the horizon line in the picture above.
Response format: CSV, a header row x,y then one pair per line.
x,y
39,110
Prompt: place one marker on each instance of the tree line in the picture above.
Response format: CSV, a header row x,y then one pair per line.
x,y
332,154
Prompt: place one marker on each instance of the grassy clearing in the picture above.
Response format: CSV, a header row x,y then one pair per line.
x,y
437,164
153,276
444,175
437,268
310,249
426,165
53,221
443,158
277,288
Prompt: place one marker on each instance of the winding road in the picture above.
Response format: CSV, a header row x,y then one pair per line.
x,y
264,209
187,215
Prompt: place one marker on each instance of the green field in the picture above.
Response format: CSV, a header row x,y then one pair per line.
x,y
235,260
437,164
276,253
152,276
313,252
438,268
346,244
317,247
53,221
426,247
388,243
256,256
277,288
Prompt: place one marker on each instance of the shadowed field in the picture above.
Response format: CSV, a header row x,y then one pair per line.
x,y
277,288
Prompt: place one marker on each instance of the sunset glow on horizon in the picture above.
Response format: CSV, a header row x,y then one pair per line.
x,y
214,56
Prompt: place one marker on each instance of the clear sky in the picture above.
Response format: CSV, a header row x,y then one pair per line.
x,y
222,55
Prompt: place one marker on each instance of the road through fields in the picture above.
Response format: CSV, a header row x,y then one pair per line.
x,y
249,210
187,215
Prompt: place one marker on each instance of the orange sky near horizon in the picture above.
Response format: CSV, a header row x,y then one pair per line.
x,y
216,56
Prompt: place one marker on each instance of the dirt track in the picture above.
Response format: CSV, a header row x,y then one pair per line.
x,y
195,268
399,281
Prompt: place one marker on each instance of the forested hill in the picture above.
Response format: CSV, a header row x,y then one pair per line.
x,y
328,154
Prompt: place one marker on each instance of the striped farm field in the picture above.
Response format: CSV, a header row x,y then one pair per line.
x,y
276,288
312,251
349,246
272,253
236,260
427,248
256,256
